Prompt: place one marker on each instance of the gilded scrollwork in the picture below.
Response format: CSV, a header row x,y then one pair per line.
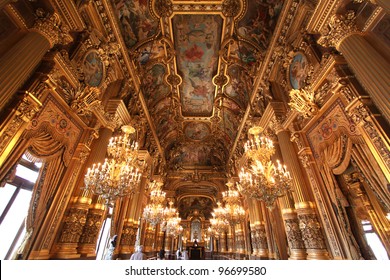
x,y
74,222
311,231
294,235
91,228
302,101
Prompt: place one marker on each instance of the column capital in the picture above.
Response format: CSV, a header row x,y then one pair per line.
x,y
52,29
338,28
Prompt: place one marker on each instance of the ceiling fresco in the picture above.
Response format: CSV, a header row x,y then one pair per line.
x,y
197,42
196,62
196,207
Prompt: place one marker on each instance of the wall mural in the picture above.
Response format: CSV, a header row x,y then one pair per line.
x,y
188,205
239,86
151,52
197,131
259,21
229,124
197,42
164,124
136,22
154,87
195,155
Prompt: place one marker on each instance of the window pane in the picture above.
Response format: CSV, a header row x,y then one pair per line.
x,y
26,173
5,196
376,246
13,220
104,238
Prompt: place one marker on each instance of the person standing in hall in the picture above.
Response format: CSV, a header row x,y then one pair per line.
x,y
111,248
139,254
161,254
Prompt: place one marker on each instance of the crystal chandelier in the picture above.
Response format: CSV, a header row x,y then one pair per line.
x,y
171,224
154,210
233,212
120,174
218,223
261,179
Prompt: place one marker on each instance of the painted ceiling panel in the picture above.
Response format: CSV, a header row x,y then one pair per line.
x,y
197,42
197,62
136,22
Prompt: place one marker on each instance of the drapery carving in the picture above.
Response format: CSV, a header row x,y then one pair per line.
x,y
338,155
44,148
63,132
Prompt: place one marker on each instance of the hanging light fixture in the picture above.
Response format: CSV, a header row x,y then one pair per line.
x,y
154,210
120,173
171,223
233,212
218,223
260,178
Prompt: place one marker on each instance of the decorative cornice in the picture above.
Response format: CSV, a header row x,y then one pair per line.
x,y
323,11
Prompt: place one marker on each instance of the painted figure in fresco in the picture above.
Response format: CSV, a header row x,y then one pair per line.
x,y
93,69
298,71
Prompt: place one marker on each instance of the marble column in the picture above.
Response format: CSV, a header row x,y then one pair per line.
x,y
369,66
18,63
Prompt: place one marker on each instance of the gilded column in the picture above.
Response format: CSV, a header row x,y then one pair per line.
x,y
96,210
308,222
261,234
93,224
19,62
12,128
369,66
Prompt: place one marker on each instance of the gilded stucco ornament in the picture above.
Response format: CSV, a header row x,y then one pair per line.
x,y
231,8
302,101
294,235
338,28
311,231
53,30
163,8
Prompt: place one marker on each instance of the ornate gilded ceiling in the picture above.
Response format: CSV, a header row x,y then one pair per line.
x,y
196,62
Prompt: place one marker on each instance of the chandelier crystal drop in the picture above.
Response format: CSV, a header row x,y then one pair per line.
x,y
261,179
120,174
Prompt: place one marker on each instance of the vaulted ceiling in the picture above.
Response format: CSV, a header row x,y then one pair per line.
x,y
196,62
